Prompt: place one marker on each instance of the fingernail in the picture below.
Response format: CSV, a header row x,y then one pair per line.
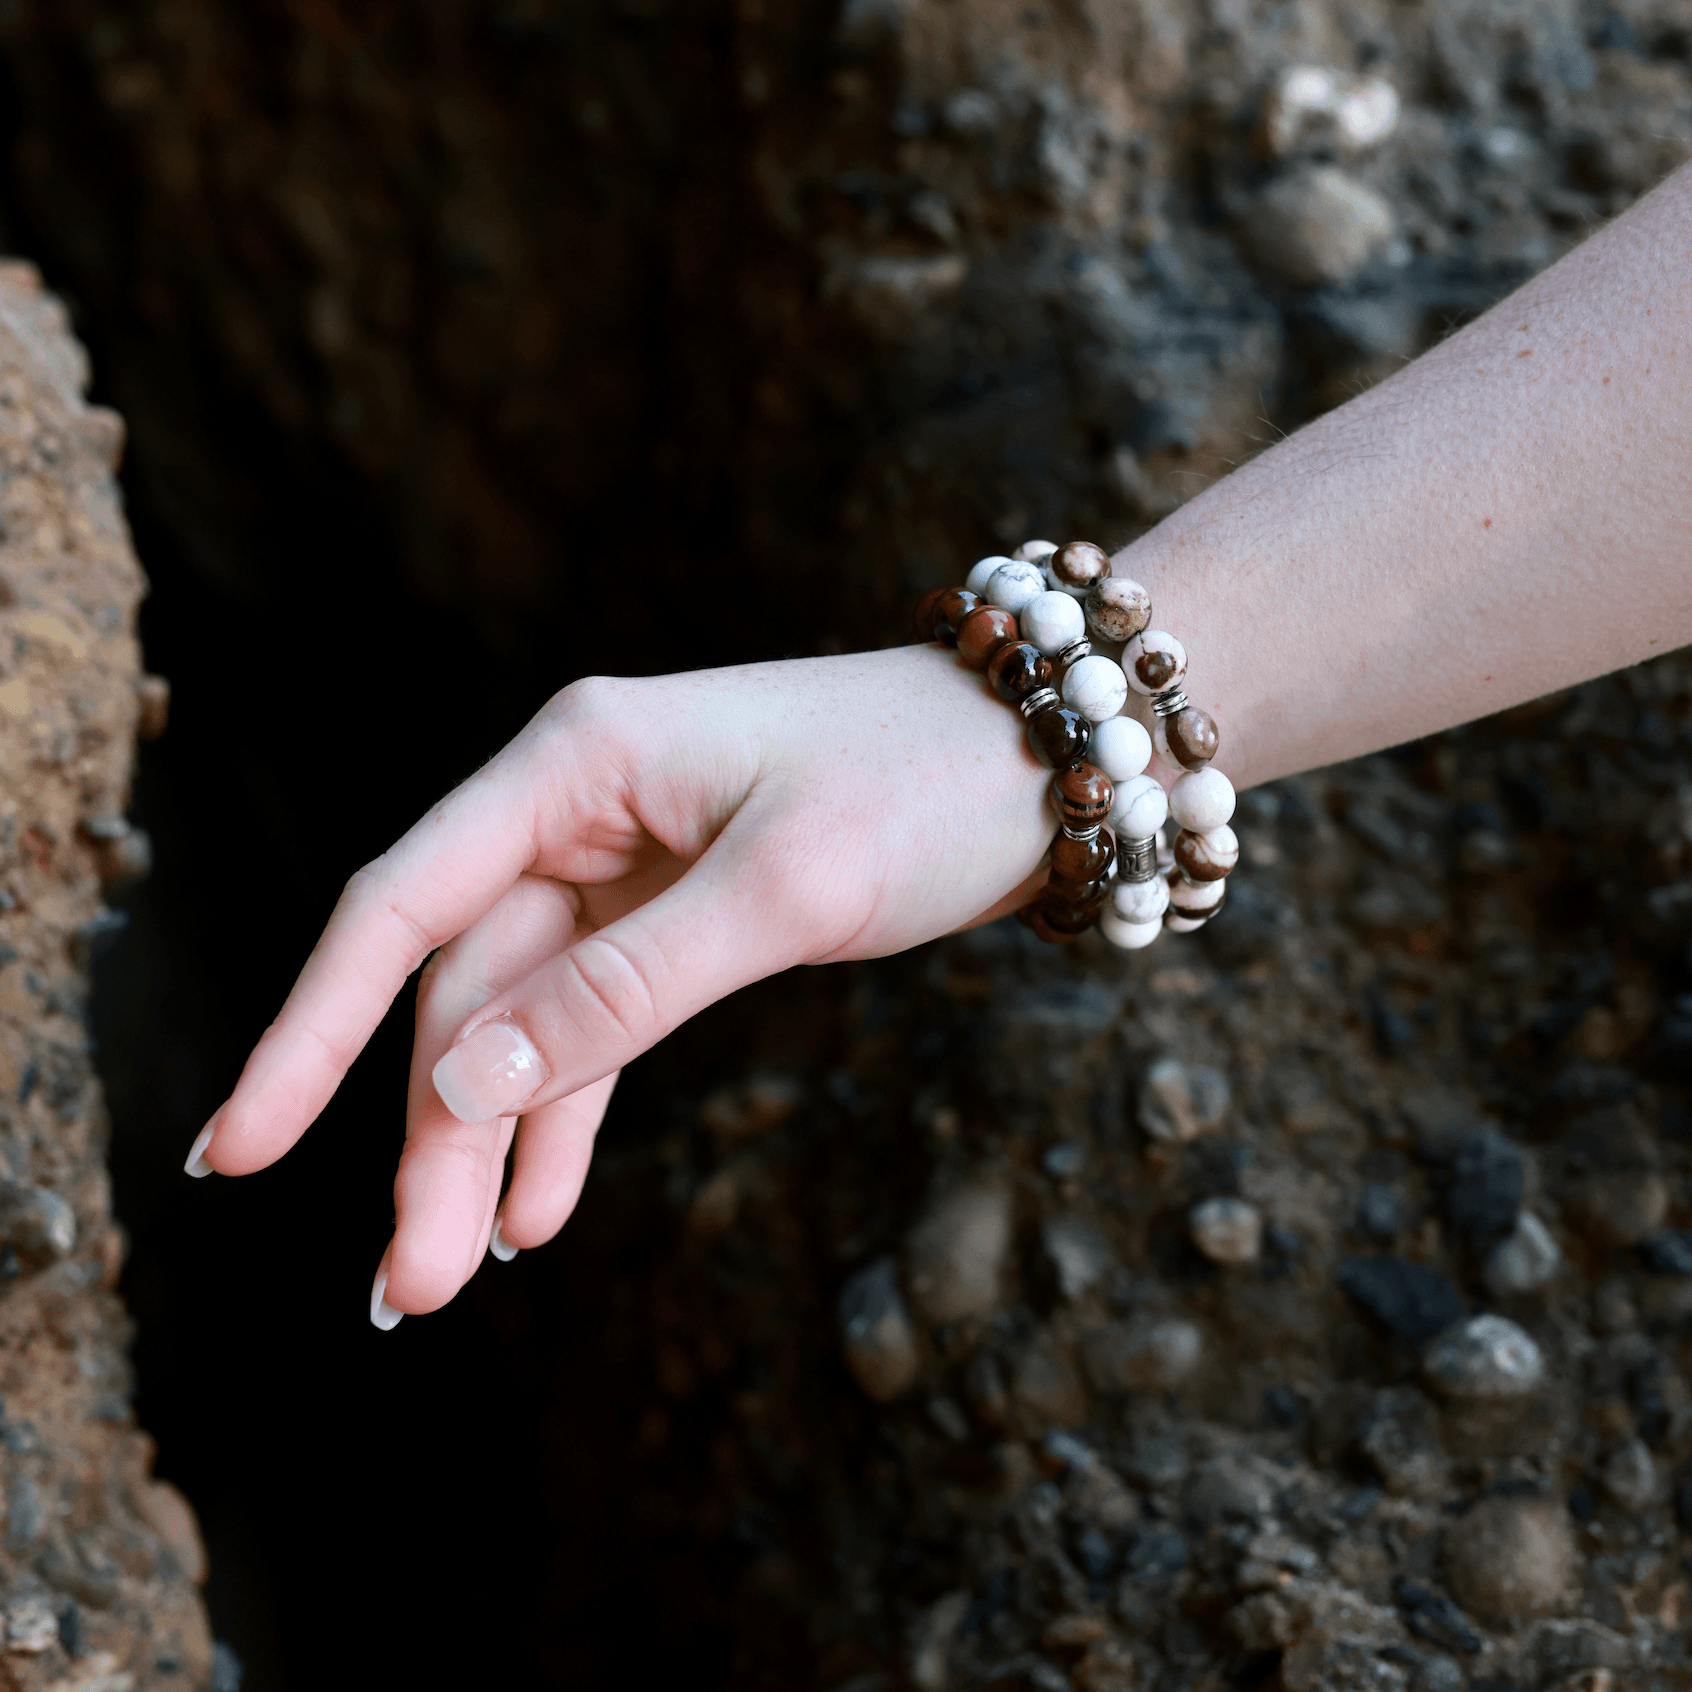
x,y
490,1072
382,1313
196,1164
499,1246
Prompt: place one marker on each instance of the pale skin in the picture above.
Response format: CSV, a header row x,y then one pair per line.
x,y
1510,514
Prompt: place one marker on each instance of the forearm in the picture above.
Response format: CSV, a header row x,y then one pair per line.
x,y
1510,514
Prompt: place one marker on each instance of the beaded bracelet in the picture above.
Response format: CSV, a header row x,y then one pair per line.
x,y
1027,617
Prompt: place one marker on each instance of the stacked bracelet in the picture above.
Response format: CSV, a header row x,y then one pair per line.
x,y
1026,621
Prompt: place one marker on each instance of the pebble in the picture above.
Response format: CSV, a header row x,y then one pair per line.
x,y
1407,1299
32,1624
1524,1260
1439,1673
1511,1558
1181,1101
1485,1357
1078,1253
1400,1437
1668,1253
1318,226
956,1253
39,1226
1046,1390
879,1342
1621,1207
1227,1230
1380,1211
1065,1161
930,1642
1629,1476
1155,1460
1485,1182
1232,1487
1132,1356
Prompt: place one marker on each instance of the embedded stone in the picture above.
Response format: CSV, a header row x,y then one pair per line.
x,y
1526,1259
956,1253
1318,226
1180,1101
1227,1230
1509,1559
879,1341
1485,1357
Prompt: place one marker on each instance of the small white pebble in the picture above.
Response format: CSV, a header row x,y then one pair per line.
x,y
1097,688
1130,936
1140,901
978,578
1368,112
1485,1357
1120,747
1154,661
1050,621
1227,1230
1012,585
1139,808
1202,801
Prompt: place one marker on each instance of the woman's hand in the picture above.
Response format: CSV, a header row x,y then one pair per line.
x,y
640,850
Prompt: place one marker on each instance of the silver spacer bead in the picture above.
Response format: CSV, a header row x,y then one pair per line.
x,y
1042,699
1136,860
1075,651
1166,704
1081,833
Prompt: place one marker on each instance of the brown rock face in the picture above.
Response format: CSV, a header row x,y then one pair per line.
x,y
108,1556
1511,1558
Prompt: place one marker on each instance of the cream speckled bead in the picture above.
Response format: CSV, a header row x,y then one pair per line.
x,y
1035,551
1209,856
1117,609
1181,925
1140,901
1154,662
1097,688
978,578
1050,621
1012,585
1139,808
1202,801
1130,936
1120,746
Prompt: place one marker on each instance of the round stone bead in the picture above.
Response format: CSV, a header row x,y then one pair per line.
x,y
1182,925
1202,801
1139,809
982,573
1129,936
1035,552
1195,900
1082,860
1140,901
1084,794
1096,687
1079,565
1036,916
1117,609
1017,670
1073,914
1188,739
1207,857
1012,585
1121,747
982,633
1058,736
1154,662
1051,621
927,613
955,605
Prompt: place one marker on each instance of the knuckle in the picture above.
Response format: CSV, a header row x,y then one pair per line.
x,y
613,986
591,702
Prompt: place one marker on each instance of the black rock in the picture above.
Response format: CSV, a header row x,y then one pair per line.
x,y
1668,1253
1484,1183
1436,1618
1407,1299
1380,1211
1155,1554
1095,1554
1283,1407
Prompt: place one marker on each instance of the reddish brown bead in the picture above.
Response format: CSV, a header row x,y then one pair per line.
x,y
955,605
1035,916
982,633
1059,736
1072,915
1204,860
1192,737
1058,891
1080,564
1082,860
928,613
1018,670
1084,795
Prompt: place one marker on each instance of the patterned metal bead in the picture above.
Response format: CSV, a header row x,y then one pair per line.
x,y
1169,704
1136,860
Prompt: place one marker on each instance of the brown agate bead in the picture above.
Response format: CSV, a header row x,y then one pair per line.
x,y
1036,916
1017,670
1072,914
928,613
955,605
1084,795
1082,860
1058,736
982,633
1189,738
1080,564
1208,856
1117,609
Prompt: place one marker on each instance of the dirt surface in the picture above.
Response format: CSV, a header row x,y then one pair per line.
x,y
99,1561
905,1361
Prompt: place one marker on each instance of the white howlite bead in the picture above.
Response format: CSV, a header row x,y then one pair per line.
x,y
1130,936
1097,688
1139,808
1182,925
1120,746
1154,662
1050,621
1140,901
1202,801
1200,895
978,578
1012,585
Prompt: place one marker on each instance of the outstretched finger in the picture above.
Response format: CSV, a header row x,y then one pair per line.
x,y
554,1148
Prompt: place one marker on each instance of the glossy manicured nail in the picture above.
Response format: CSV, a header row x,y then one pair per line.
x,y
490,1072
196,1164
383,1314
500,1247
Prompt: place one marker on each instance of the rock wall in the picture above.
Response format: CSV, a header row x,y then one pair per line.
x,y
99,1562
